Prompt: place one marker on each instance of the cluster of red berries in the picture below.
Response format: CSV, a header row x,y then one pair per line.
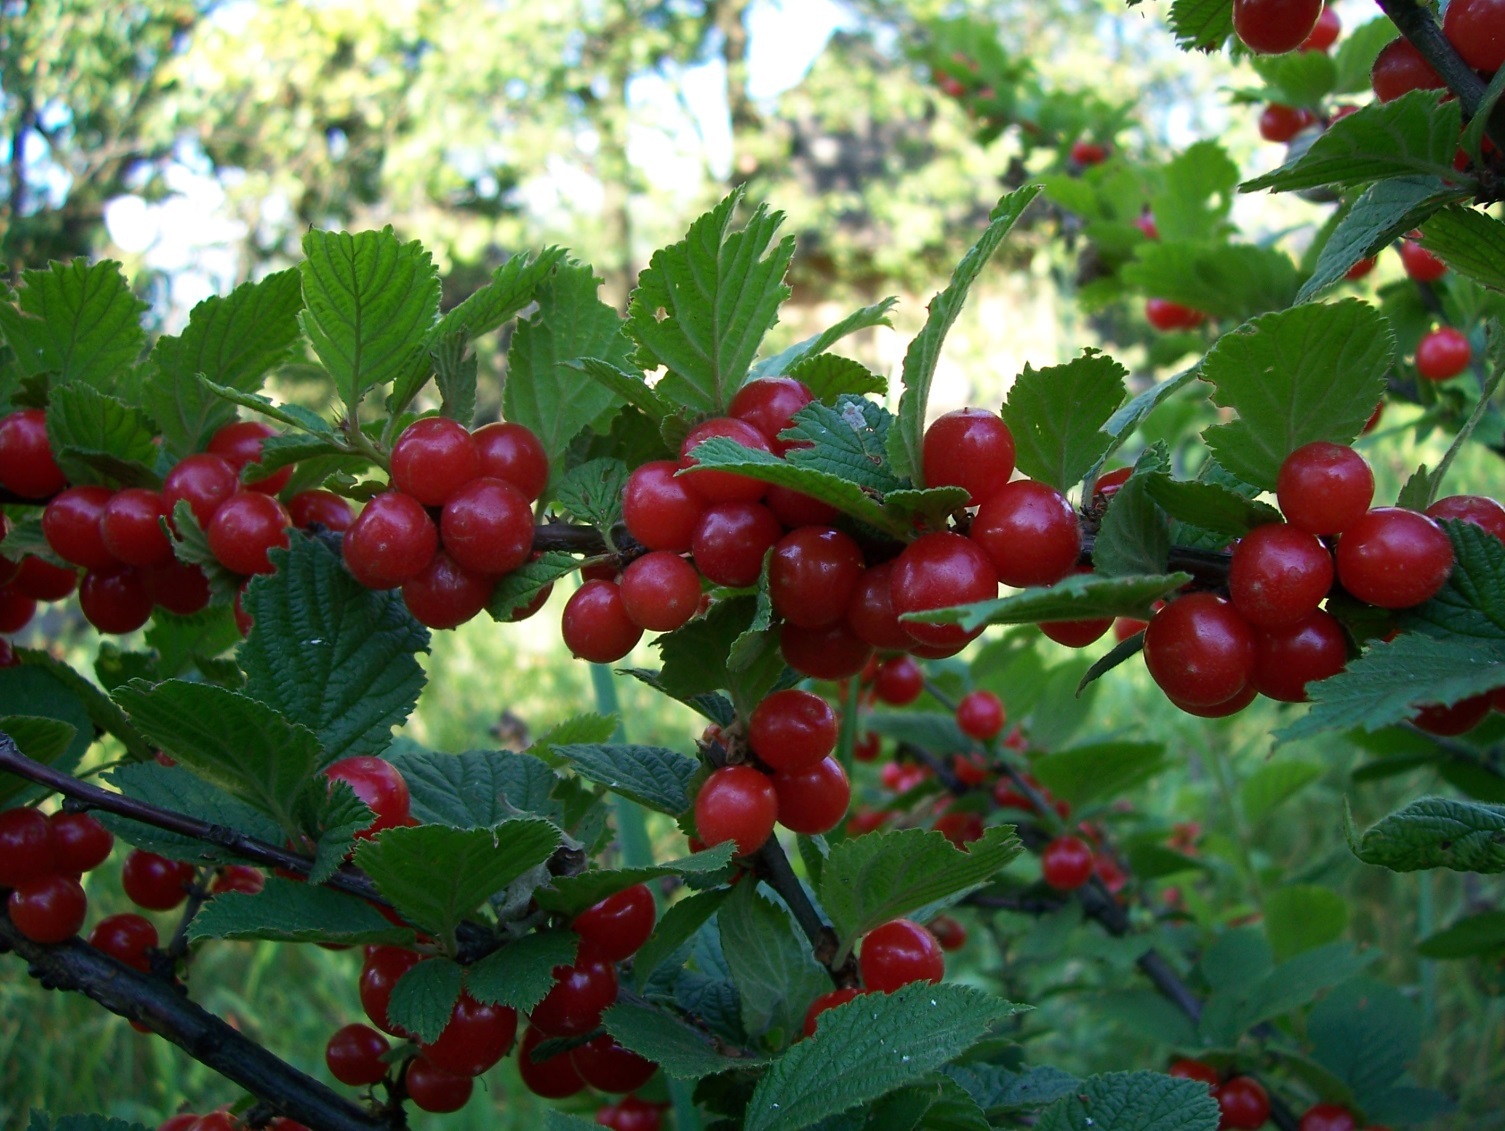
x,y
892,955
1244,1105
223,1120
440,1074
457,517
41,860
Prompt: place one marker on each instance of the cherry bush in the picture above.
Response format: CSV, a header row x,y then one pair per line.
x,y
808,562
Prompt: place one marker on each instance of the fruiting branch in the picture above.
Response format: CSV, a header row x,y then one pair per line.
x,y
1418,25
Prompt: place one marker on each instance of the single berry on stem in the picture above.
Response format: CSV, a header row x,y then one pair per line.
x,y
736,803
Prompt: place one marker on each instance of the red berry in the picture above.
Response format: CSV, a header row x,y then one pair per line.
x,y
239,445
431,1088
16,610
71,524
433,458
514,453
383,967
792,730
899,681
554,1078
630,1114
445,595
596,625
323,508
1278,575
948,932
659,509
1195,1070
380,785
1324,487
1443,353
1075,633
131,527
936,571
43,581
1273,27
769,405
1066,863
487,526
204,481
969,448
391,540
126,938
1399,68
661,591
155,882
828,1000
870,611
1360,268
574,1004
792,508
815,800
1480,510
49,909
1167,316
812,575
242,878
1324,32
79,842
115,600
1476,29
245,528
738,804
1287,659
1457,718
608,1067
1243,1104
26,463
1327,1117
1420,263
730,541
1029,532
26,847
476,1036
1199,650
354,1055
1394,558
980,715
617,926
830,652
897,953
723,486
178,587
1088,153
1281,123
1230,706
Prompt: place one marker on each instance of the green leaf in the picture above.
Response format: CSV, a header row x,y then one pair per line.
x,y
289,911
1134,537
180,641
99,707
1106,769
775,974
76,321
329,653
520,973
592,492
1220,279
520,588
40,1121
425,997
869,1047
1436,832
629,386
292,415
1077,597
1470,242
1294,377
1210,506
696,656
230,740
1299,980
1299,917
435,876
479,788
828,376
455,369
1356,53
1195,193
234,341
1483,933
925,350
1272,785
701,308
994,1087
936,1104
1384,211
1057,415
1414,135
370,303
674,928
176,790
1201,24
1297,78
806,354
40,738
1133,1101
871,879
683,1052
97,438
653,776
1365,1033
570,895
545,392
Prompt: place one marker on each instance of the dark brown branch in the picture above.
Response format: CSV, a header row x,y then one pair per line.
x,y
159,1006
774,870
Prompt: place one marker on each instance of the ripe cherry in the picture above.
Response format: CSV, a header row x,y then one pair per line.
x,y
792,730
595,624
723,486
1278,575
16,609
608,1067
1482,511
71,524
737,804
897,953
980,715
1273,27
617,926
476,1036
899,681
487,526
1029,532
1399,68
769,405
239,445
1324,488
1476,29
380,785
178,587
1243,1103
1394,558
49,909
513,452
1280,123
242,878
794,508
245,528
1087,153
1066,863
658,507
870,611
574,1004
936,571
27,851
445,594
433,458
131,527
1287,659
969,448
354,1055
812,575
43,581
731,539
1167,316
949,932
26,463
1327,1117
813,801
630,1114
204,481
155,882
554,1078
1442,353
431,1088
323,508
661,591
1324,33
832,651
383,967
1195,1070
126,938
1075,633
1454,719
1421,264
391,540
115,600
79,842
1199,650
828,1000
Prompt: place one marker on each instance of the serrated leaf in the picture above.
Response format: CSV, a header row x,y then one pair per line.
x,y
701,308
871,879
288,911
1134,537
1273,784
509,290
231,740
1299,980
181,640
1134,1101
369,304
869,1047
176,790
1299,917
828,377
190,545
806,355
76,321
45,739
582,728
1355,55
1294,377
1365,1033
774,972
674,928
455,369
629,386
234,341
424,997
1195,193
1297,78
1483,933
1085,774
1470,242
570,895
293,415
696,656
652,776
717,708
1384,211
1210,506
435,876
1413,135
520,973
97,438
329,653
544,391
1221,280
1057,415
1436,832
592,492
682,1052
477,789
924,351
1201,24
992,1086
1077,597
